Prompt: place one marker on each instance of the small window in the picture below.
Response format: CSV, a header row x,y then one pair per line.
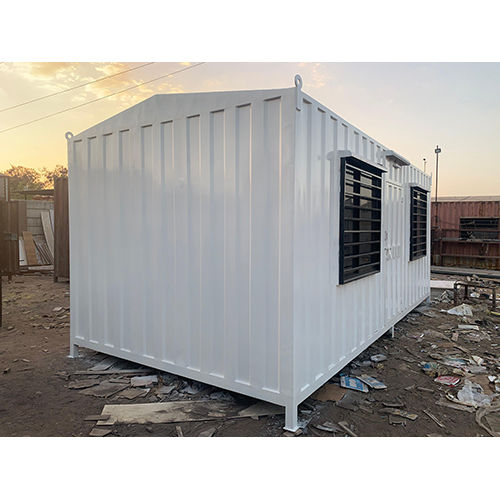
x,y
360,219
418,223
479,228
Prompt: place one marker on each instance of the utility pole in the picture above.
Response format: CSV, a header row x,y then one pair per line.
x,y
437,151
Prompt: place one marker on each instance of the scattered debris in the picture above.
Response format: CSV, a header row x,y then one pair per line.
x,y
108,421
371,382
221,396
393,404
97,417
478,360
461,310
378,358
472,394
178,429
348,402
104,364
345,427
454,362
430,368
353,383
432,417
104,389
6,370
298,432
261,408
425,389
165,390
139,371
143,381
99,432
193,388
208,433
186,411
133,393
468,327
328,427
399,413
82,384
447,380
491,414
397,421
329,392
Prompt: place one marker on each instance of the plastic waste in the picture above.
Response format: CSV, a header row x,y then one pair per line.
x,y
461,310
472,394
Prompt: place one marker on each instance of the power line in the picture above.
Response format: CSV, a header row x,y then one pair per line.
x,y
74,88
101,98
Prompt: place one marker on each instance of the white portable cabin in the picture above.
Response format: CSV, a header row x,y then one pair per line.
x,y
252,240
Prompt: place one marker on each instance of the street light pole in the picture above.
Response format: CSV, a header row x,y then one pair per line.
x,y
425,164
437,151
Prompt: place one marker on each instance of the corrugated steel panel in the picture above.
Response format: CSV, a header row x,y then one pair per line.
x,y
204,242
464,253
333,323
179,258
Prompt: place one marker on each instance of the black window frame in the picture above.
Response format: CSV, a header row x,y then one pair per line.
x,y
479,228
358,176
419,217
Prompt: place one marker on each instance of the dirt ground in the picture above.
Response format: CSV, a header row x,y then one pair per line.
x,y
35,372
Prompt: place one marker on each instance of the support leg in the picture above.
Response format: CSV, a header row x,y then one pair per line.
x,y
291,423
392,332
73,351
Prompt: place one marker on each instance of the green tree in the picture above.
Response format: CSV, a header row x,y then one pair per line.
x,y
29,179
48,176
22,179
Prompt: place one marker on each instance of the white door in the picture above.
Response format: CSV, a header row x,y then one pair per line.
x,y
392,241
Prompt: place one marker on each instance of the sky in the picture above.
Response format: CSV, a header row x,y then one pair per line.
x,y
408,107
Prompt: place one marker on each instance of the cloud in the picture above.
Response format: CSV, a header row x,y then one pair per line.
x,y
50,76
50,69
319,76
55,76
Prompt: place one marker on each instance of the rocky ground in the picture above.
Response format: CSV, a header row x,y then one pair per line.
x,y
41,393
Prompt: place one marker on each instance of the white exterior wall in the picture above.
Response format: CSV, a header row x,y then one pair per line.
x,y
180,234
204,233
333,323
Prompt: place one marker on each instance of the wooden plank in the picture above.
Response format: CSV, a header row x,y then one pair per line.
x,y
22,216
9,235
22,253
133,371
104,364
61,228
29,248
47,231
186,411
40,268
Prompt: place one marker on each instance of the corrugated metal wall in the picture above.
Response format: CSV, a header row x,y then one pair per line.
x,y
181,240
204,241
448,250
333,323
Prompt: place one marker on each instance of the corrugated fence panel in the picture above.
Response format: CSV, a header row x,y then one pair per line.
x,y
461,252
